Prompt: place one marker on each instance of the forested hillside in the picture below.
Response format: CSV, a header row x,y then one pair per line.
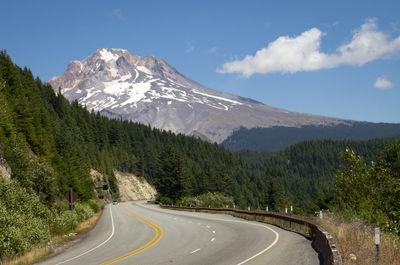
x,y
279,137
305,171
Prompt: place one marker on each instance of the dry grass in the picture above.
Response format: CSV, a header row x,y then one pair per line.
x,y
357,238
42,250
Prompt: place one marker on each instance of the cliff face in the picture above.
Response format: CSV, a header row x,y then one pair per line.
x,y
133,188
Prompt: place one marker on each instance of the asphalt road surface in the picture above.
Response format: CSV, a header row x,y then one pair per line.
x,y
144,234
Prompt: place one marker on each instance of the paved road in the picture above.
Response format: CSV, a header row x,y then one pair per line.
x,y
143,234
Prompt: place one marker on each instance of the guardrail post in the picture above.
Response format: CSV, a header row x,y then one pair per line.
x,y
377,243
50,246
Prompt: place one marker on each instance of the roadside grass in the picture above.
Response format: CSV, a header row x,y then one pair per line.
x,y
41,251
356,242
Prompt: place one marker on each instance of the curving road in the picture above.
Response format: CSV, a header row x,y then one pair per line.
x,y
144,234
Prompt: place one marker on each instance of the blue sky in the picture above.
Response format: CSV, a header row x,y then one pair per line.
x,y
334,58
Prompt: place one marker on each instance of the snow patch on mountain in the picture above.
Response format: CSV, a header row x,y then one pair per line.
x,y
107,55
144,70
136,92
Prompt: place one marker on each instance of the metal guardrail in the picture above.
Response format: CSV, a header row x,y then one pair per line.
x,y
322,241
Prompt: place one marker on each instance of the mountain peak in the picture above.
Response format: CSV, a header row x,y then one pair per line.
x,y
148,90
108,55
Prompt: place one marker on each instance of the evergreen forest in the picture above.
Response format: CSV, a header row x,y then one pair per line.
x,y
279,137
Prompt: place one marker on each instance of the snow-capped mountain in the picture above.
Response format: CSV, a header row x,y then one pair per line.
x,y
148,90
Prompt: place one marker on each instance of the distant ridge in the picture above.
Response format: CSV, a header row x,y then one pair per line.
x,y
276,138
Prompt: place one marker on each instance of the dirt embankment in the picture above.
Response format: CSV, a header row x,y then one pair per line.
x,y
133,188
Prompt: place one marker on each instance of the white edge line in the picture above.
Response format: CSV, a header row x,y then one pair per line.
x,y
264,250
90,250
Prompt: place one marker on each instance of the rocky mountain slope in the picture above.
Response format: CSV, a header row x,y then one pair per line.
x,y
148,90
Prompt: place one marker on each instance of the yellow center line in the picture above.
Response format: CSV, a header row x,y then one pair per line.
x,y
152,242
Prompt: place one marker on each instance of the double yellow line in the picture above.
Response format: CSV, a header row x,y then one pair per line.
x,y
159,234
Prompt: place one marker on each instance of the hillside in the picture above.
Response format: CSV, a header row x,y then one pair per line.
x,y
277,138
305,171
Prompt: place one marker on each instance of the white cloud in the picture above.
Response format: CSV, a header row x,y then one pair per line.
x,y
302,53
383,83
117,13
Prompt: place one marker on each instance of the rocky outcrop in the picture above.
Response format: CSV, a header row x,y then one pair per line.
x,y
133,188
5,170
100,181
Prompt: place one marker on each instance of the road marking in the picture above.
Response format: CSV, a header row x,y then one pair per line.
x,y
212,239
152,242
194,251
213,232
208,226
238,221
264,250
90,250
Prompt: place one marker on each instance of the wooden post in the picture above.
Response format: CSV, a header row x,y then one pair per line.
x,y
71,203
71,197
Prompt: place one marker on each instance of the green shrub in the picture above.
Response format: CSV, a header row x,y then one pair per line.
x,y
94,205
22,219
64,222
214,200
166,200
84,211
